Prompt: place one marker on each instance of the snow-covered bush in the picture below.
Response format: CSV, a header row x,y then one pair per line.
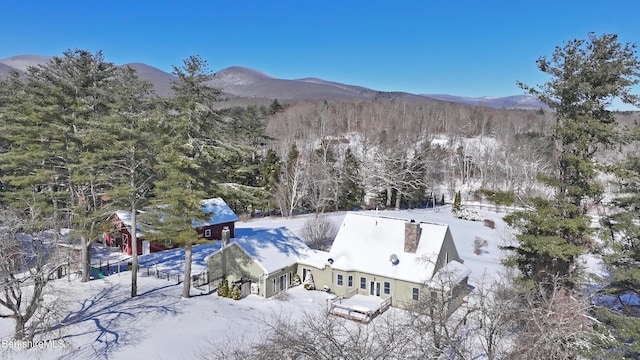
x,y
308,282
296,280
467,214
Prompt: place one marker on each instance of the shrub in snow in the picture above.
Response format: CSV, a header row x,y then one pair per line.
x,y
223,288
296,280
308,282
318,232
309,286
235,292
466,214
478,244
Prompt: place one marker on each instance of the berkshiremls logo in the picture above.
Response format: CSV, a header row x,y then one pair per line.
x,y
24,344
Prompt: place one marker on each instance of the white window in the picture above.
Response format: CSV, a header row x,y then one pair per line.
x,y
415,295
207,233
340,280
387,288
350,281
363,283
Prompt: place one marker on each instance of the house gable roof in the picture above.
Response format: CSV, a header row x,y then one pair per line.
x,y
274,249
366,243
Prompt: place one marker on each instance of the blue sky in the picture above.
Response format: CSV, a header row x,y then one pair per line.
x,y
459,47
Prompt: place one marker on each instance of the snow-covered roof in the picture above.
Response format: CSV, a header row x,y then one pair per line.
x,y
452,273
220,213
125,219
367,242
273,249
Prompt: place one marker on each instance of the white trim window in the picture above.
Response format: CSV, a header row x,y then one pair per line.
x,y
207,233
415,294
340,280
387,288
350,281
363,283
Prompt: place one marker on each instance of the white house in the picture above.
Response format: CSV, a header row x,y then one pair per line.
x,y
388,257
371,255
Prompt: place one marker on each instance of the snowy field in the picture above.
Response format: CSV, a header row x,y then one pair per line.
x,y
103,322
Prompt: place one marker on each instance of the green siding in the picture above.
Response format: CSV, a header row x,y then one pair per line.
x,y
266,286
233,263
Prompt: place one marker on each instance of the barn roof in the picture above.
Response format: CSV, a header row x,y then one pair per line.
x,y
220,212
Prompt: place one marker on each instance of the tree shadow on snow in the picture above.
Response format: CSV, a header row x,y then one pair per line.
x,y
110,317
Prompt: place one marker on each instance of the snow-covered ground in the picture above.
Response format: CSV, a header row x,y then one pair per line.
x,y
103,322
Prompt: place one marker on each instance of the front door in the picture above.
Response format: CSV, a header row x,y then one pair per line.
x,y
374,288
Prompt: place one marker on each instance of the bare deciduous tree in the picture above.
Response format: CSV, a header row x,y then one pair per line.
x,y
318,232
553,323
27,264
320,336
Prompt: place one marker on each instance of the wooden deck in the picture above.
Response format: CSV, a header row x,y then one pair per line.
x,y
360,308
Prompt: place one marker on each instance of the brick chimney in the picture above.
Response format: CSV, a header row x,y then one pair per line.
x,y
411,236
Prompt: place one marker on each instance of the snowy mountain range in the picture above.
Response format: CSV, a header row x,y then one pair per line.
x,y
242,82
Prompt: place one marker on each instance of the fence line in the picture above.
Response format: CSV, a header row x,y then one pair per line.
x,y
491,207
110,267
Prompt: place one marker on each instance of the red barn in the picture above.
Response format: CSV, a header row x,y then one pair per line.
x,y
222,217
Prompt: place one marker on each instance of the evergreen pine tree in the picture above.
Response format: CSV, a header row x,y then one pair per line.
x,y
270,171
351,190
457,202
184,159
130,136
618,299
586,75
59,153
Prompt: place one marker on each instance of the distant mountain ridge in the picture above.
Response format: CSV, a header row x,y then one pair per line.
x,y
507,102
243,82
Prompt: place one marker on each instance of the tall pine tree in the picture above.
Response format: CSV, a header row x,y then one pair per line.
x,y
185,157
56,163
586,76
130,135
